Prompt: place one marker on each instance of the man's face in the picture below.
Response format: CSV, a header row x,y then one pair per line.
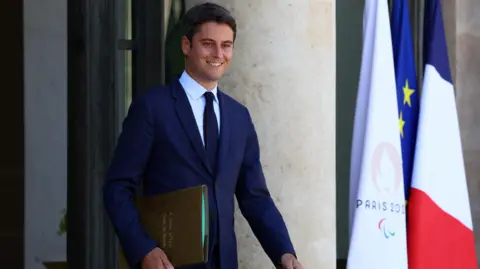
x,y
208,55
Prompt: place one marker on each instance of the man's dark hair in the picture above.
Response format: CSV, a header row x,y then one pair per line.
x,y
207,12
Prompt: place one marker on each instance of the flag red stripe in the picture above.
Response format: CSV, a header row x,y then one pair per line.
x,y
436,239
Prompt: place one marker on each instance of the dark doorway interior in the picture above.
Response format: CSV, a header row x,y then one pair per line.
x,y
12,138
97,89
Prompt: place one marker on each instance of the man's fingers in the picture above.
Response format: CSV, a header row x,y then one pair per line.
x,y
165,261
167,265
289,265
293,264
297,265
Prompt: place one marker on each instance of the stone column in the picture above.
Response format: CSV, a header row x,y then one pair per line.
x,y
283,70
449,21
467,50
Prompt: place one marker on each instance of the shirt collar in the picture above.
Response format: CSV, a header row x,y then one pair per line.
x,y
193,88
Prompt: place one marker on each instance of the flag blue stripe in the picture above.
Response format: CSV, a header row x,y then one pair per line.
x,y
405,73
435,45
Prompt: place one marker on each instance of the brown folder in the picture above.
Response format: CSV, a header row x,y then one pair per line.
x,y
178,222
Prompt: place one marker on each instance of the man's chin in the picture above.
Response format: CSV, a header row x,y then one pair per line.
x,y
215,77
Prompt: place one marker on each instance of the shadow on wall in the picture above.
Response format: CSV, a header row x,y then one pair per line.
x,y
349,20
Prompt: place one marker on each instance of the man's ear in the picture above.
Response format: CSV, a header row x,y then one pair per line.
x,y
186,45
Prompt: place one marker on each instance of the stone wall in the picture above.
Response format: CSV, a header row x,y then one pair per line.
x,y
466,70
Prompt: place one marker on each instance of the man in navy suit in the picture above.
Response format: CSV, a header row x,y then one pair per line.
x,y
190,133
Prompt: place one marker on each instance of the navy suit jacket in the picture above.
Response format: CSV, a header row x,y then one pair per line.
x,y
160,146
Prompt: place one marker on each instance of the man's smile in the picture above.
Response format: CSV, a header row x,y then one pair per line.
x,y
214,64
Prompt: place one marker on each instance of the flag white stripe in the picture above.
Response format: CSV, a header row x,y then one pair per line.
x,y
439,168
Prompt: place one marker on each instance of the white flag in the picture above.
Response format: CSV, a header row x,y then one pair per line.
x,y
377,200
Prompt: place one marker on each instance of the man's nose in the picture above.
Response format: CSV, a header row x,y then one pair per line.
x,y
218,51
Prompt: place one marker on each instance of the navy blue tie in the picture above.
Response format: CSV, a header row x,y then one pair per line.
x,y
210,130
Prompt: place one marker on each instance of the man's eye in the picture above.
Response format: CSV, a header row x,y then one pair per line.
x,y
207,44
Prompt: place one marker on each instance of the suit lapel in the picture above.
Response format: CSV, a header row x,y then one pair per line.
x,y
185,114
224,132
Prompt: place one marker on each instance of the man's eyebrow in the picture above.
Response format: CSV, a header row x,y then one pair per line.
x,y
211,40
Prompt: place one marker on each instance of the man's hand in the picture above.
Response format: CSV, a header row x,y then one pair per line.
x,y
290,262
156,259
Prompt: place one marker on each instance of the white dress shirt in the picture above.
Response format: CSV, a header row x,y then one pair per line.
x,y
197,101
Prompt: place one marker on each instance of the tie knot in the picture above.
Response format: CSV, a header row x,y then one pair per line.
x,y
209,97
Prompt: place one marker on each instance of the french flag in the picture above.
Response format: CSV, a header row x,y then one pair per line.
x,y
439,227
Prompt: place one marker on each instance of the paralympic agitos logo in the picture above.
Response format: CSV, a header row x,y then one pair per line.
x,y
383,227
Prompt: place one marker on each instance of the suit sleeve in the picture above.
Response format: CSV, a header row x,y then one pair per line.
x,y
256,204
124,176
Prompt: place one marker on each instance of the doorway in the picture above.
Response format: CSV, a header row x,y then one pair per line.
x,y
116,50
12,138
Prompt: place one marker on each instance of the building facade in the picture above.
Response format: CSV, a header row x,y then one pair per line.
x,y
76,65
